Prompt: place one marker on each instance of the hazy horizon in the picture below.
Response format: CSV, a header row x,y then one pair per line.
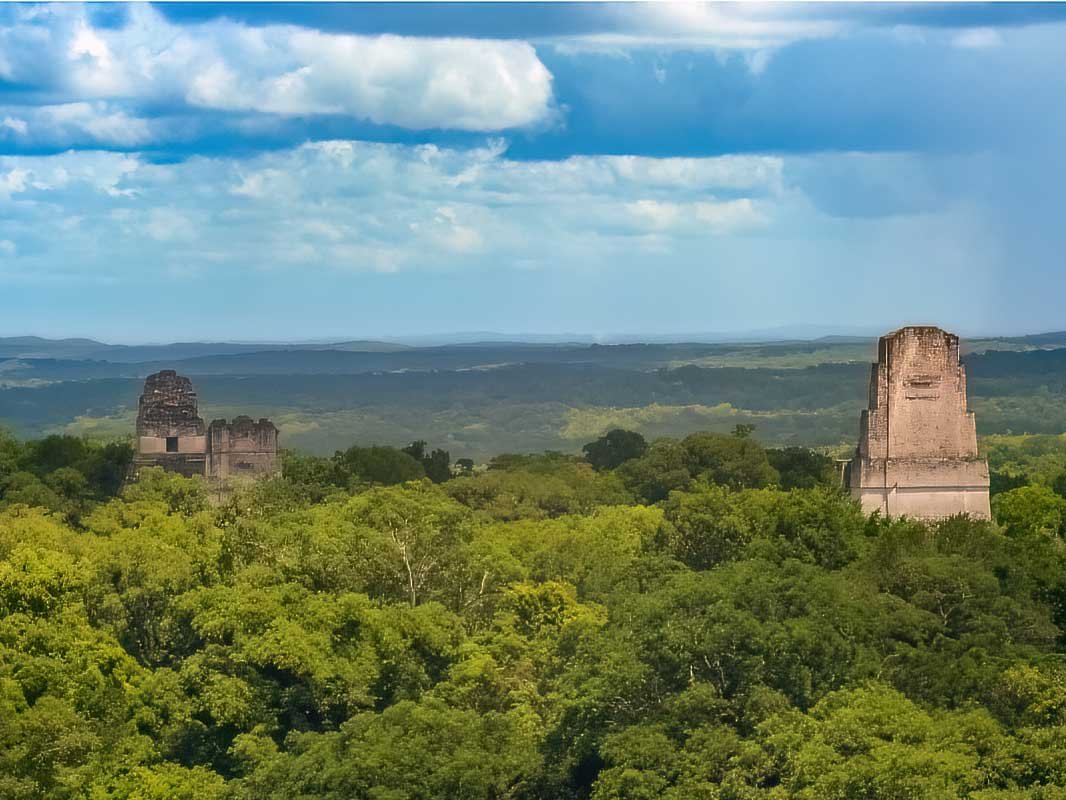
x,y
800,333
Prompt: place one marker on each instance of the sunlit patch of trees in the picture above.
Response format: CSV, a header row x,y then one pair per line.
x,y
692,618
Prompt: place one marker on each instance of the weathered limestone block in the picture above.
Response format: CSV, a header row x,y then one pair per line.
x,y
917,452
243,447
170,432
172,435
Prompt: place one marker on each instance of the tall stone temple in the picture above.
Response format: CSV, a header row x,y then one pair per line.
x,y
172,435
917,453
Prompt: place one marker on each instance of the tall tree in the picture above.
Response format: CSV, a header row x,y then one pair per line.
x,y
614,448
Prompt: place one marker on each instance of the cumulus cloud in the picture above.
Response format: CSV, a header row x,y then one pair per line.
x,y
66,124
13,181
349,205
308,226
422,83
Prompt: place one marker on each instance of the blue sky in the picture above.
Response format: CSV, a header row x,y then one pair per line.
x,y
296,171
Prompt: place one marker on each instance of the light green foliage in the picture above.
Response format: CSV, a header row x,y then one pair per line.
x,y
1031,509
411,751
1039,457
529,632
161,782
710,524
595,553
180,495
416,533
536,487
872,742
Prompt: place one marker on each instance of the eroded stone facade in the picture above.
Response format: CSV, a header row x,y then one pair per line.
x,y
242,447
917,453
172,435
170,432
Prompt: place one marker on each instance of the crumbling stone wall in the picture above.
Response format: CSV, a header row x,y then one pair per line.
x,y
171,434
917,451
244,447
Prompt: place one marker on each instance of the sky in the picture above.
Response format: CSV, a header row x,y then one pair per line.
x,y
295,171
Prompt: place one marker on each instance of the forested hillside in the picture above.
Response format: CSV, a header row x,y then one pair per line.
x,y
481,399
690,618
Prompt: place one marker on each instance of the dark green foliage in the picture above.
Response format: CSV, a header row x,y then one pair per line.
x,y
359,467
541,463
665,467
104,467
523,633
62,473
614,448
380,465
710,525
743,430
437,464
1000,482
804,393
312,477
734,461
801,468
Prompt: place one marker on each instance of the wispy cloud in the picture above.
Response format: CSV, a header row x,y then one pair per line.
x,y
977,38
724,26
357,205
66,124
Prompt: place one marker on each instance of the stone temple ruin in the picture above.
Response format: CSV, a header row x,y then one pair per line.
x,y
172,435
917,453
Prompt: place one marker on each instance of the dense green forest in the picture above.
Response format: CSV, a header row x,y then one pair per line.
x,y
699,617
482,399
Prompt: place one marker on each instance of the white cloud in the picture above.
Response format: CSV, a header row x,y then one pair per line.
x,y
18,126
166,224
74,176
977,38
326,215
451,232
729,215
655,214
467,84
64,124
349,205
7,247
13,181
756,28
701,217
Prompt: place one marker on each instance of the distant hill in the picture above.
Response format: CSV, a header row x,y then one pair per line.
x,y
479,399
1055,339
336,360
90,350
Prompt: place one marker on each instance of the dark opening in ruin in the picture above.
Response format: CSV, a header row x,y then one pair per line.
x,y
172,444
